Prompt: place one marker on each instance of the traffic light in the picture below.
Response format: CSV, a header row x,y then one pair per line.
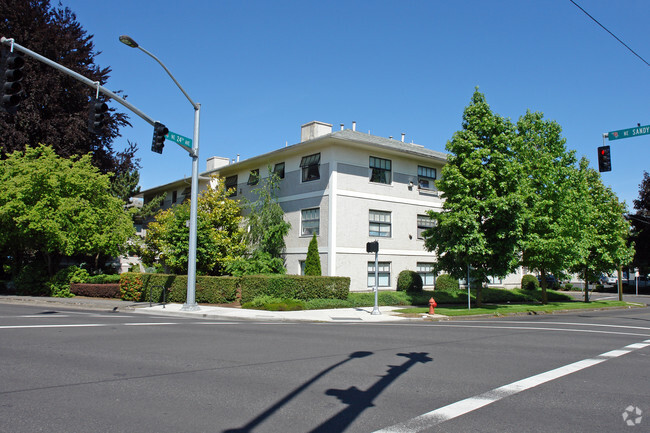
x,y
604,159
159,132
96,115
11,74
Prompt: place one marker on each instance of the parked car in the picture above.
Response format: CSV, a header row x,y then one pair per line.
x,y
608,280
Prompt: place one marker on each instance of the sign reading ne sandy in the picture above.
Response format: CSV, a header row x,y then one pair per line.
x,y
627,133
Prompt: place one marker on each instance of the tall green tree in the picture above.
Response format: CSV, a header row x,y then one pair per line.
x,y
267,229
641,226
56,107
312,262
605,230
220,236
52,207
482,218
553,239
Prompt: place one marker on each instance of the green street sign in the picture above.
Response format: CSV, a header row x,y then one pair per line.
x,y
179,139
628,133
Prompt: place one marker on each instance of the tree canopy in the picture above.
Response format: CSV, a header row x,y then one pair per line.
x,y
481,222
515,196
56,207
641,225
56,107
220,237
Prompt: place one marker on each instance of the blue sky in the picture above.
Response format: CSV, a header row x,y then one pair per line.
x,y
260,69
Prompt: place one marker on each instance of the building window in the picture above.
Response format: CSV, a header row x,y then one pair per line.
x,y
380,225
425,270
302,267
279,170
380,170
310,167
231,182
383,274
310,221
254,177
174,196
424,222
426,177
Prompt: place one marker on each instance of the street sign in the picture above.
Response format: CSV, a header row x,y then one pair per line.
x,y
179,139
628,133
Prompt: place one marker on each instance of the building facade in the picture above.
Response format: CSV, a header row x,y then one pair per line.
x,y
349,188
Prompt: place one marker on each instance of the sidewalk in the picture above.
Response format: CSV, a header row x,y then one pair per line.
x,y
339,315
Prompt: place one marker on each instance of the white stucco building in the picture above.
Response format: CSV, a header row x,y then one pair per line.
x,y
349,188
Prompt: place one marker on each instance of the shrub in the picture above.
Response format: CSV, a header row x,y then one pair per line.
x,y
103,279
32,280
409,281
131,287
447,283
96,290
529,282
294,287
312,262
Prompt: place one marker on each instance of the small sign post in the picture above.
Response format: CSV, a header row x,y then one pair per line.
x,y
373,247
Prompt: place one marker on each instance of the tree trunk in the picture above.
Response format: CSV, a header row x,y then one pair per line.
x,y
586,286
544,283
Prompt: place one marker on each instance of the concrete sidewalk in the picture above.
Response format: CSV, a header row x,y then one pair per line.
x,y
339,315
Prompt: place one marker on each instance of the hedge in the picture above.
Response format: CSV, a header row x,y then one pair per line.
x,y
223,290
294,287
95,290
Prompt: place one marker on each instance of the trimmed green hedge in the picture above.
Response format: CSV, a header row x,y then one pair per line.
x,y
446,283
294,287
224,290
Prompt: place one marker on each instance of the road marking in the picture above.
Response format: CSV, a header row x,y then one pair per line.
x,y
540,328
454,410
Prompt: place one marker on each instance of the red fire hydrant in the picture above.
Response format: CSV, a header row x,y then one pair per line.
x,y
432,306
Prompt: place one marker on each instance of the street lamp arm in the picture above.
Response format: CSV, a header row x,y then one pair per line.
x,y
194,104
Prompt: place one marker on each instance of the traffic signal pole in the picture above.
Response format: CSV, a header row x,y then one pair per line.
x,y
94,84
190,303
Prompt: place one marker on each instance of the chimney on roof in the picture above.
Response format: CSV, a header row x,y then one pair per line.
x,y
354,125
217,162
342,126
314,129
403,134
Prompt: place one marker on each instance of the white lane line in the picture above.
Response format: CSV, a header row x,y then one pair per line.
x,y
454,410
79,325
43,316
541,328
573,324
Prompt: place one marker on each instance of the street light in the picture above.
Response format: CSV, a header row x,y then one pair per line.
x,y
190,302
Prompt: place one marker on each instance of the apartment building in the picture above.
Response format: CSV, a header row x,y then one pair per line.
x,y
350,188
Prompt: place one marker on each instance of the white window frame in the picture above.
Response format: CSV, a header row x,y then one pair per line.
x,y
383,274
425,270
377,219
426,177
308,229
423,224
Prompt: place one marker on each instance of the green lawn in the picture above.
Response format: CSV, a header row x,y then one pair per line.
x,y
505,309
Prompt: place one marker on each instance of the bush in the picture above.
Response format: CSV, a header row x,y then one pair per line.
x,y
447,283
312,262
409,281
271,303
294,287
103,279
529,282
96,290
131,287
32,280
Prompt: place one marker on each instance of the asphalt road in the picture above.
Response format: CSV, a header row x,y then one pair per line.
x,y
93,371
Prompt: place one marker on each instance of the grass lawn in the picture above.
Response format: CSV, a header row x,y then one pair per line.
x,y
505,309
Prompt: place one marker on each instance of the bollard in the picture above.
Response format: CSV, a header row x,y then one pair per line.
x,y
432,306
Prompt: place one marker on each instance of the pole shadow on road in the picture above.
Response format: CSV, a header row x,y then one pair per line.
x,y
357,400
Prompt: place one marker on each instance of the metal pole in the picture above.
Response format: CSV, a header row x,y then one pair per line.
x,y
190,301
76,76
469,304
375,310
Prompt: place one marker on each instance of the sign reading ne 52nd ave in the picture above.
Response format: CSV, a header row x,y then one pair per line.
x,y
627,133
